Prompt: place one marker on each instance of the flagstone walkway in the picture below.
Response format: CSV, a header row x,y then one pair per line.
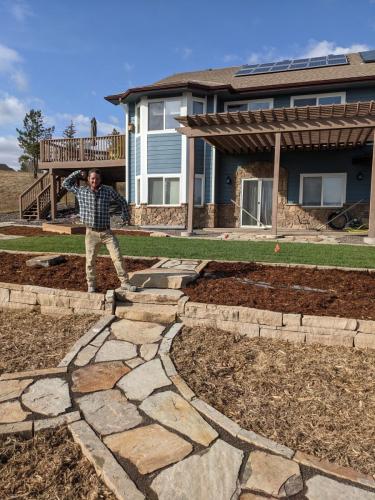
x,y
148,435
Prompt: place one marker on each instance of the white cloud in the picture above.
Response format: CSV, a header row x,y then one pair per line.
x,y
12,111
114,119
20,10
184,52
229,58
9,151
81,122
128,67
10,62
267,54
325,47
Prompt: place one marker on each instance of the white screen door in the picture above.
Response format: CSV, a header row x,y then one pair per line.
x,y
256,202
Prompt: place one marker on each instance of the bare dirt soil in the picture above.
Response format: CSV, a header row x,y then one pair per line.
x,y
70,275
12,184
312,398
30,340
349,294
37,231
48,466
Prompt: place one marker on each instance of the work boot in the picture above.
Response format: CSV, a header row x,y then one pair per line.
x,y
91,289
128,287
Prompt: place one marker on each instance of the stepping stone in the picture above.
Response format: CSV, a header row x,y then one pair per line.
x,y
147,312
134,362
137,332
48,396
86,355
210,475
149,351
45,261
321,487
173,411
98,377
273,475
171,263
114,350
150,296
11,389
143,380
149,448
98,341
109,412
12,411
162,278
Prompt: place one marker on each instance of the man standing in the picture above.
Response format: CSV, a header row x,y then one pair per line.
x,y
94,202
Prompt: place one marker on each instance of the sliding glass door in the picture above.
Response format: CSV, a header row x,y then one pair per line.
x,y
256,206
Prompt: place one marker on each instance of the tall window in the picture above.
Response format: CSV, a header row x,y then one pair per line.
x,y
198,107
318,100
163,191
323,190
198,190
161,114
138,119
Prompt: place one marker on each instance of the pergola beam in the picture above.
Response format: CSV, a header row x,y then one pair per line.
x,y
275,185
371,226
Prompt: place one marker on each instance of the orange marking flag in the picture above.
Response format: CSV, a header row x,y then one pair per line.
x,y
277,248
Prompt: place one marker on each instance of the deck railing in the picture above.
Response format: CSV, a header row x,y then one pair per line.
x,y
110,147
28,197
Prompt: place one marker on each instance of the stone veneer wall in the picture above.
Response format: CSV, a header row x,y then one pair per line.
x,y
252,322
54,301
145,215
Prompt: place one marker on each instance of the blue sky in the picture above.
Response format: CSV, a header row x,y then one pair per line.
x,y
63,57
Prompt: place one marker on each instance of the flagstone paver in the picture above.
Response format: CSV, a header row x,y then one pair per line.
x,y
99,376
173,411
211,475
11,389
113,350
321,487
86,355
149,448
11,411
134,362
143,380
109,411
148,351
98,341
137,332
47,396
273,475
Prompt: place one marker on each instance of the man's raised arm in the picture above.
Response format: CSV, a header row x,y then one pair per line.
x,y
120,200
70,182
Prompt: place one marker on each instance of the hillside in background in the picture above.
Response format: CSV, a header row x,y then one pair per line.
x,y
4,167
12,184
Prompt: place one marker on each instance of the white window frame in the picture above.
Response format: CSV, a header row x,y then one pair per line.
x,y
317,96
138,199
342,175
137,123
203,100
163,130
164,176
270,100
200,176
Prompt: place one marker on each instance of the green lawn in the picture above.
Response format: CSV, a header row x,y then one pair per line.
x,y
303,253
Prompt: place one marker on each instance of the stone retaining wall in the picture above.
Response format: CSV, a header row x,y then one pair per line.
x,y
54,301
331,331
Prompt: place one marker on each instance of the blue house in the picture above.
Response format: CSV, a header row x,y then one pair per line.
x,y
205,148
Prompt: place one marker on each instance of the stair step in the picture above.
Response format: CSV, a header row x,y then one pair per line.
x,y
155,313
150,296
162,278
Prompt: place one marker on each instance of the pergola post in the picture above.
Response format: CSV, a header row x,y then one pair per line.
x,y
371,219
52,177
275,185
191,186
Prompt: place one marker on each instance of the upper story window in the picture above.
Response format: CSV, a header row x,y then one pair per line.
x,y
253,105
318,99
161,114
198,107
138,119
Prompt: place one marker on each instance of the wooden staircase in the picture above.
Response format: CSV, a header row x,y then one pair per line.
x,y
35,201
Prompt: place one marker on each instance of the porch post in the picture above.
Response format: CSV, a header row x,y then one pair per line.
x,y
52,177
371,219
191,186
275,185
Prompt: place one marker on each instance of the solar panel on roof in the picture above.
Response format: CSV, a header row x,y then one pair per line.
x,y
368,56
295,64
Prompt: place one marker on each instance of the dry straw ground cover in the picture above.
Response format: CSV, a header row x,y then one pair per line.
x,y
12,184
317,399
31,340
49,466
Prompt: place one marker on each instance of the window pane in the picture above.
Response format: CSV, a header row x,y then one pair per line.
x,y
330,100
138,120
254,106
307,101
333,191
155,115
312,190
237,107
138,200
197,107
172,191
198,191
172,109
155,191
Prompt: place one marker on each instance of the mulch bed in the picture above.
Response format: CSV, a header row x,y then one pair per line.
x,y
30,340
348,294
70,275
316,399
36,231
48,466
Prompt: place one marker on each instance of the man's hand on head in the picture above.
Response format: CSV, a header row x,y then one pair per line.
x,y
83,174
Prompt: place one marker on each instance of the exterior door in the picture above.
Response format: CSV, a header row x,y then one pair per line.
x,y
256,207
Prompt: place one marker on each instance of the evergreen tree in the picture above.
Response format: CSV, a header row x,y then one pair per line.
x,y
70,131
33,131
115,132
25,162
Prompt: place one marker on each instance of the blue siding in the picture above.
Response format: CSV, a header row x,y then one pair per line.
x,y
131,157
164,153
138,155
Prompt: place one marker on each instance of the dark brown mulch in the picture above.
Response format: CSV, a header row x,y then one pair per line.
x,y
48,466
343,293
70,275
36,231
30,340
317,399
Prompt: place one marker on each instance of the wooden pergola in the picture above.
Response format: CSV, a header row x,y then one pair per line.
x,y
329,127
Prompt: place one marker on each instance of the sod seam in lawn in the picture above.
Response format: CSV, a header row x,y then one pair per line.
x,y
261,251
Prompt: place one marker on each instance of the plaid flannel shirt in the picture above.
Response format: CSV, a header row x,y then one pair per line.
x,y
94,205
